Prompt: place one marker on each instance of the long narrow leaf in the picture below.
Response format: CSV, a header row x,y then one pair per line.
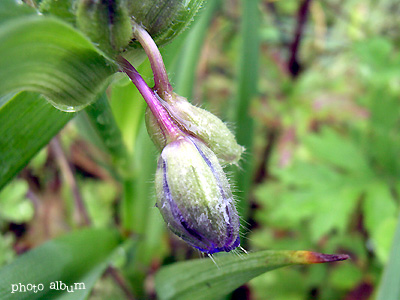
x,y
202,279
186,64
28,122
79,257
246,91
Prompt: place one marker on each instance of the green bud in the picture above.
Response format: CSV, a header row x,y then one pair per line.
x,y
194,196
62,9
106,22
199,123
164,19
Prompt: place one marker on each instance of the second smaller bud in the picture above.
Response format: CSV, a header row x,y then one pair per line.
x,y
200,123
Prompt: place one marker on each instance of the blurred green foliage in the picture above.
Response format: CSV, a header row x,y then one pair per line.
x,y
322,168
334,175
14,206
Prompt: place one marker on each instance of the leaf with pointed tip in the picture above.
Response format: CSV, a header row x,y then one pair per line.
x,y
202,279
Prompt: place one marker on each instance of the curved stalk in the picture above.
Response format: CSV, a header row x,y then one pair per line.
x,y
161,82
170,130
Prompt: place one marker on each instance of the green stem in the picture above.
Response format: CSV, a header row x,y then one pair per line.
x,y
68,173
103,121
170,130
161,82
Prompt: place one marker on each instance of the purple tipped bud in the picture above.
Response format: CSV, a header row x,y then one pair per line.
x,y
194,196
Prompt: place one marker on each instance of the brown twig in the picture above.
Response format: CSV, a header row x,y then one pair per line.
x,y
293,64
120,280
67,171
263,170
34,199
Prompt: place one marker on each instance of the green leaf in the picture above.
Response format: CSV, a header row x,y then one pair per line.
x,y
389,288
14,205
378,206
128,107
28,122
10,9
185,67
312,193
202,279
346,276
6,248
336,150
99,199
382,238
46,55
79,257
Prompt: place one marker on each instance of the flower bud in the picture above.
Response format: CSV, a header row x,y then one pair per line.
x,y
200,123
194,196
164,19
106,23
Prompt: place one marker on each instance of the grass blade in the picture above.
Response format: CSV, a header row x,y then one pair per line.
x,y
246,91
185,68
202,279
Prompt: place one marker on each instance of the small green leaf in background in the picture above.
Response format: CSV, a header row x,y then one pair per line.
x,y
204,279
346,276
128,108
14,205
379,210
99,199
333,149
6,250
78,257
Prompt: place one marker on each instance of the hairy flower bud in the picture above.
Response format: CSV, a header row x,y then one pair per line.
x,y
194,196
201,124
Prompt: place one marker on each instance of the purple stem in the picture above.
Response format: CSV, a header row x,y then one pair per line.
x,y
169,128
161,81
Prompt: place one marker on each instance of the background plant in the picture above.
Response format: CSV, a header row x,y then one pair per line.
x,y
311,90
